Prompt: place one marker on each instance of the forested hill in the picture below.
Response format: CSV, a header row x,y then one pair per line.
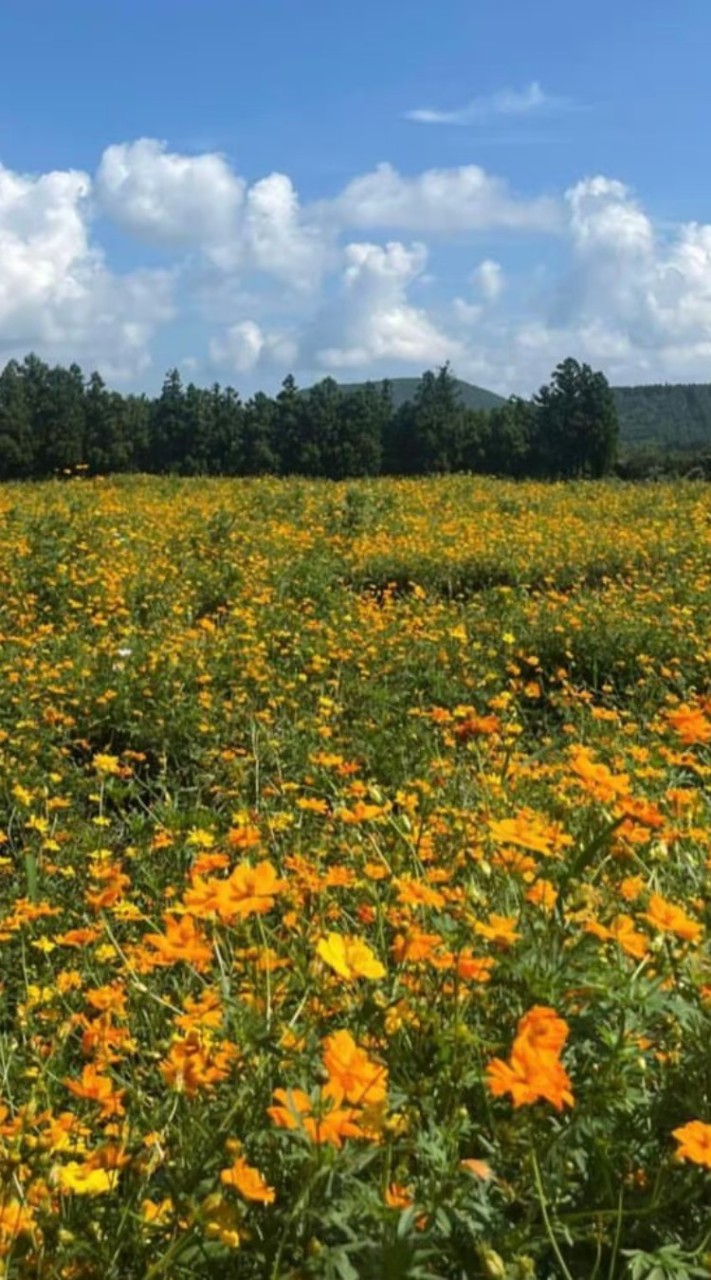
x,y
659,416
673,416
404,389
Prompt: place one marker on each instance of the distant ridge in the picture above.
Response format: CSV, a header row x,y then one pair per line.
x,y
665,416
404,389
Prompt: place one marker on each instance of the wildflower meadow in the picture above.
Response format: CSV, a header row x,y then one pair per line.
x,y
354,870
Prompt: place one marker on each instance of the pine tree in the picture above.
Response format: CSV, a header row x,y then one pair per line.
x,y
168,426
259,455
17,454
576,428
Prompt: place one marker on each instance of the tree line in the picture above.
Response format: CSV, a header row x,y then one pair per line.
x,y
53,420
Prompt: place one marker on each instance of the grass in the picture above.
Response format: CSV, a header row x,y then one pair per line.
x,y
354,878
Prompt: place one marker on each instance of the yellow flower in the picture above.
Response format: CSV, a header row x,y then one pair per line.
x,y
106,764
349,957
84,1180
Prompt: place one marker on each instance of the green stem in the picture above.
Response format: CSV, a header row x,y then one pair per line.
x,y
618,1234
546,1217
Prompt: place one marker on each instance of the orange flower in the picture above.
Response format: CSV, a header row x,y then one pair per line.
x,y
156,1213
542,1029
113,881
500,930
479,1168
471,968
248,1181
247,891
529,830
631,888
399,1197
596,778
180,942
530,1077
415,893
351,1070
690,725
669,918
543,894
15,1219
534,1070
694,1141
204,1012
326,1122
414,945
476,726
97,1088
193,1063
349,957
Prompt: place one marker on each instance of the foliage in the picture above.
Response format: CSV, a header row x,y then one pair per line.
x,y
575,426
53,422
665,416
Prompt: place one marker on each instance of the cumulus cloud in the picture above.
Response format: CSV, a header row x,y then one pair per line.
x,y
506,102
631,301
166,198
243,347
651,294
274,238
372,319
56,293
625,295
441,200
200,203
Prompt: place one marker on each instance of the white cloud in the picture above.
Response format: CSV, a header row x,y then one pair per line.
x,y
283,292
244,346
200,203
169,199
56,292
372,319
507,102
440,200
278,241
633,302
488,278
654,294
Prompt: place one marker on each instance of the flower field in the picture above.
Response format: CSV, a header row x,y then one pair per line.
x,y
354,873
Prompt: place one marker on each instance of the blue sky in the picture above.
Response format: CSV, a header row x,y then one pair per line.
x,y
356,190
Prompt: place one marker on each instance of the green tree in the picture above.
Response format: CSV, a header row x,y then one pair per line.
x,y
110,441
364,418
321,429
291,411
428,433
60,421
507,439
258,454
227,428
168,426
576,429
17,453
197,447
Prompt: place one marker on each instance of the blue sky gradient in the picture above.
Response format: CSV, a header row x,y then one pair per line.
x,y
562,146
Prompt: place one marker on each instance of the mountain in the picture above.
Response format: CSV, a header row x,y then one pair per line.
x,y
666,416
404,389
